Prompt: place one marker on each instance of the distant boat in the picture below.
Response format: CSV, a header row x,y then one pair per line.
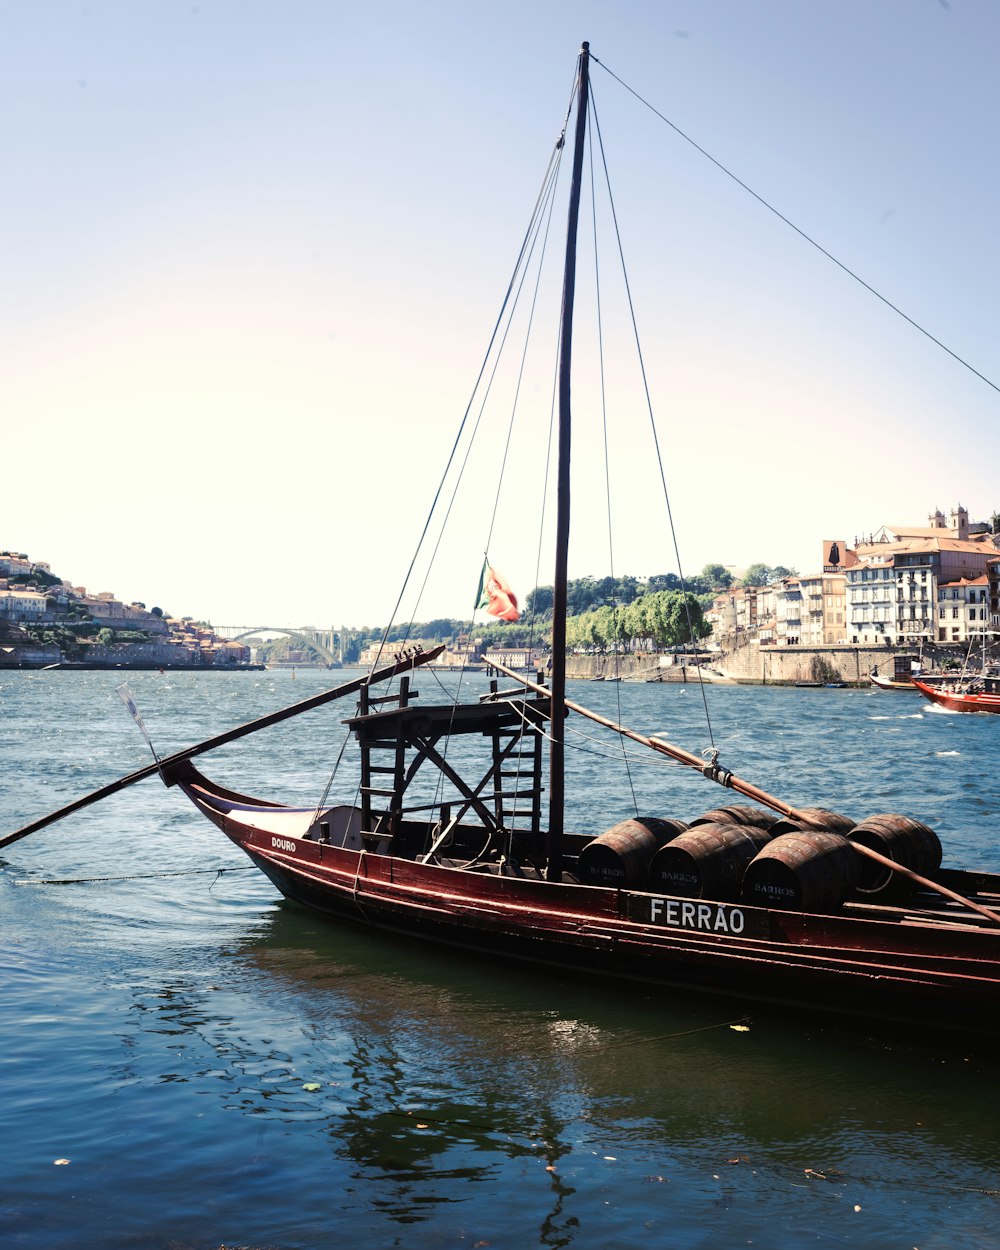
x,y
890,683
977,694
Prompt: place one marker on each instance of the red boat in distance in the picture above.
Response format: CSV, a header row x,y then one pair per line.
x,y
981,694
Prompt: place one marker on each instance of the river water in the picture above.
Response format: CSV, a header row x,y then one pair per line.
x,y
188,1062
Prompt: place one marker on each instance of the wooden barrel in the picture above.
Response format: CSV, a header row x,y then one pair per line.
x,y
755,816
811,872
620,856
707,861
831,822
906,842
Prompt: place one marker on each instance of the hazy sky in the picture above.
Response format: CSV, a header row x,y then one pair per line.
x,y
252,252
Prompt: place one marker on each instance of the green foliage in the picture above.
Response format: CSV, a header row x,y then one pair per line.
x,y
54,635
666,618
588,594
718,576
510,634
756,575
601,613
539,601
37,579
116,637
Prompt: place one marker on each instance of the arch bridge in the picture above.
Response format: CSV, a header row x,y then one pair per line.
x,y
327,644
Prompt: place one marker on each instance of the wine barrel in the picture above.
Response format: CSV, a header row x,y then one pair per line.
x,y
830,822
812,872
620,856
707,861
735,815
906,842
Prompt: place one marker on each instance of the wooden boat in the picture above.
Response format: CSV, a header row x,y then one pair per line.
x,y
978,694
881,940
771,903
890,683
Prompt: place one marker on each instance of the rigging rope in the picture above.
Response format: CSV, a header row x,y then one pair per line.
x,y
792,226
604,431
649,409
529,235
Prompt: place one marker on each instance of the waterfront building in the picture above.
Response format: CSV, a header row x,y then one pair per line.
x,y
511,657
743,615
963,609
384,654
21,605
107,611
917,584
810,610
993,592
871,601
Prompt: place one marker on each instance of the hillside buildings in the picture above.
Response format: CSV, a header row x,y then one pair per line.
x,y
900,586
46,621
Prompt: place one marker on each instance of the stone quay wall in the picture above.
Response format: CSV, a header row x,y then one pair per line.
x,y
788,665
749,665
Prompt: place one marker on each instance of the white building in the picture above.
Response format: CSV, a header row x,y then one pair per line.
x,y
21,605
871,601
963,609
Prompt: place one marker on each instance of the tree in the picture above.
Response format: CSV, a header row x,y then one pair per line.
x,y
581,595
679,620
757,575
539,601
663,581
441,629
717,576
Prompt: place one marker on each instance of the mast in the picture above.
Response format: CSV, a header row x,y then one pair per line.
x,y
553,849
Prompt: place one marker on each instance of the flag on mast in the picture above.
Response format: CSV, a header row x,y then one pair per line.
x,y
495,595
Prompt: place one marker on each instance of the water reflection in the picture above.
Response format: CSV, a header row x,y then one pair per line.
x,y
431,1077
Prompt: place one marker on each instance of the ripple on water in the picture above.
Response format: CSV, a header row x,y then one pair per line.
x,y
194,1047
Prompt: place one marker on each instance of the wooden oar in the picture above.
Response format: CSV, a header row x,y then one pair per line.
x,y
725,778
241,731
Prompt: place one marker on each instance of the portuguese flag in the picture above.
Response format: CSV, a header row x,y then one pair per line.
x,y
496,595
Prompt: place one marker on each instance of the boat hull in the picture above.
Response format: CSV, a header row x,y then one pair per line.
x,y
888,968
959,700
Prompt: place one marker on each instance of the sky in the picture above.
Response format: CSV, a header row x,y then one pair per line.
x,y
253,251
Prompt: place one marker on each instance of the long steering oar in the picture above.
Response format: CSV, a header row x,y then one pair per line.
x,y
411,660
725,778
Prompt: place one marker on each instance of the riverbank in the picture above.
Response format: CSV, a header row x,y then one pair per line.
x,y
83,666
789,667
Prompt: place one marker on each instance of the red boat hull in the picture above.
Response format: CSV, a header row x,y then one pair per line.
x,y
959,700
874,962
